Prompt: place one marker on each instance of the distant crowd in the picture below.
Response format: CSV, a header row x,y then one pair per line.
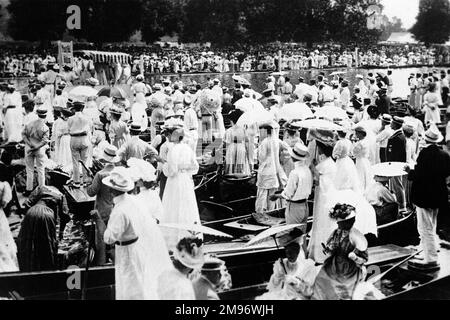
x,y
155,60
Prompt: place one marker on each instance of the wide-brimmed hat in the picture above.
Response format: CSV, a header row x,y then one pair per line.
x,y
398,120
119,179
299,151
275,98
110,154
361,129
268,90
433,135
387,118
342,212
359,76
141,169
188,99
92,81
116,110
157,87
194,259
350,111
166,81
139,77
172,123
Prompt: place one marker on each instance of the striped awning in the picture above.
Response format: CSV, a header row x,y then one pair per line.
x,y
106,57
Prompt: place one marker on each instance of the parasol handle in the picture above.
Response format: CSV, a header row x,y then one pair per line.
x,y
278,248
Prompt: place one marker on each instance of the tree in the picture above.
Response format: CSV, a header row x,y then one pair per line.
x,y
161,17
433,21
394,25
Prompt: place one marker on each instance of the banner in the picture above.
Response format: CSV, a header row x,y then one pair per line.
x,y
65,53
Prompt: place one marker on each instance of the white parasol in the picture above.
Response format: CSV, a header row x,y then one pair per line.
x,y
295,110
336,73
195,229
273,232
318,124
330,112
255,116
389,169
83,91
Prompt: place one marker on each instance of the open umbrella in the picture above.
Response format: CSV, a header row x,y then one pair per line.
x,y
295,110
330,112
273,232
114,92
83,91
317,124
389,169
254,116
337,73
195,228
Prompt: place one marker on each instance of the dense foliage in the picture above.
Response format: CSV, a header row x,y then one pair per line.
x,y
217,21
433,21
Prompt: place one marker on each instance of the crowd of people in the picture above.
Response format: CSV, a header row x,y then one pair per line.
x,y
154,60
320,138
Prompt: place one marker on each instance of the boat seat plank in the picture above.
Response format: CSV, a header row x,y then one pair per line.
x,y
387,253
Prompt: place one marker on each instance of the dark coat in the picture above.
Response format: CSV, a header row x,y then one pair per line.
x,y
429,187
396,148
383,104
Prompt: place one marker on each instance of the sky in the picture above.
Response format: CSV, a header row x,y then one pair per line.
x,y
406,10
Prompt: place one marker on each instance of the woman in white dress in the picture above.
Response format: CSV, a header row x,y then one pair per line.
x,y
236,156
361,151
324,175
346,173
127,229
174,283
431,101
179,202
143,173
139,113
61,137
8,248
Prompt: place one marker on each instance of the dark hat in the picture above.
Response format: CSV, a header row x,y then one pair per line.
x,y
41,112
234,115
212,264
136,127
398,120
67,112
78,105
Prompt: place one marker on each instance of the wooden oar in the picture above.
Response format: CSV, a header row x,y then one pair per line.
x,y
378,277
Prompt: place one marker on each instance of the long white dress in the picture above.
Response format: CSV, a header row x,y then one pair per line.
x,y
158,259
127,222
138,112
13,118
63,153
346,173
361,152
179,202
8,248
323,225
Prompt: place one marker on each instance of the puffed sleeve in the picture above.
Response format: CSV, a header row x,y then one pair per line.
x,y
277,277
117,225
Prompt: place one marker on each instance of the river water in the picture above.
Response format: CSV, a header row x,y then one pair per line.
x,y
399,77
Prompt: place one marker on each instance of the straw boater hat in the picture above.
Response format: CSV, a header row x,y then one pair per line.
x,y
398,120
92,81
110,154
433,135
116,110
299,151
119,179
194,259
386,118
157,87
41,112
135,127
268,124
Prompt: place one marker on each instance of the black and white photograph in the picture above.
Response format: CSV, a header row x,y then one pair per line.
x,y
245,151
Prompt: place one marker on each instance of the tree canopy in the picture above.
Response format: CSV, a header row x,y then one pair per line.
x,y
433,21
220,22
